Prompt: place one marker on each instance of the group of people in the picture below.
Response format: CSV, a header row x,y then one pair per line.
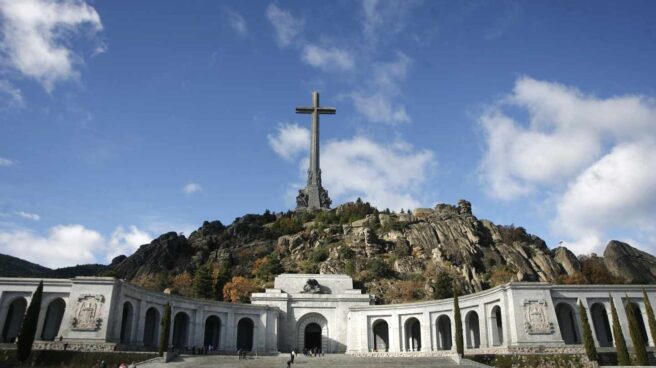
x,y
243,354
102,364
313,352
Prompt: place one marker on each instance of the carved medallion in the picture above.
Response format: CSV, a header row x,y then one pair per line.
x,y
536,320
87,313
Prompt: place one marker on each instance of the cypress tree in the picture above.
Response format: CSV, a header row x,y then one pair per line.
x,y
28,328
588,341
457,320
620,344
166,330
650,315
636,337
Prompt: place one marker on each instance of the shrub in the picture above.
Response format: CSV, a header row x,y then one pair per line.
x,y
166,330
502,275
183,284
267,267
345,252
286,226
620,343
28,328
379,268
319,254
588,341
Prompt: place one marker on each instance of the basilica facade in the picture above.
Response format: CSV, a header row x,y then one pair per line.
x,y
322,312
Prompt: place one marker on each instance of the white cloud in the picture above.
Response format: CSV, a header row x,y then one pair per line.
x,y
289,140
387,175
287,27
29,216
6,162
65,245
377,102
591,157
10,96
191,188
236,22
36,37
327,58
383,18
68,245
125,241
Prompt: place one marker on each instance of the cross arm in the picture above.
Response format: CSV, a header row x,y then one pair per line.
x,y
320,110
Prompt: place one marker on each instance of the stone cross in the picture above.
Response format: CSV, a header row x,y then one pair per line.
x,y
314,196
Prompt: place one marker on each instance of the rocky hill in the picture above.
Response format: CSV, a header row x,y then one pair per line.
x,y
397,256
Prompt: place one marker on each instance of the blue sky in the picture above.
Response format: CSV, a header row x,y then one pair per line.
x,y
123,120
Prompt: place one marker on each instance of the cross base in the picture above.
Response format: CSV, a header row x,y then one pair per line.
x,y
313,197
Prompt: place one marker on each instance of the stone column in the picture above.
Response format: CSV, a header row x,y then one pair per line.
x,y
624,322
426,340
230,342
138,331
395,334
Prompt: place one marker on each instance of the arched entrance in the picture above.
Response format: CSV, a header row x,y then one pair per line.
x,y
126,323
472,330
245,329
444,333
180,330
151,327
381,335
52,322
14,319
319,335
313,337
601,325
412,335
567,322
212,332
635,309
497,326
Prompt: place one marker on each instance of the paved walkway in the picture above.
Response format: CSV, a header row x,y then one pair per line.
x,y
328,361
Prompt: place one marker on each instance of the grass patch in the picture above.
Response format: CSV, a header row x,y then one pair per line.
x,y
70,359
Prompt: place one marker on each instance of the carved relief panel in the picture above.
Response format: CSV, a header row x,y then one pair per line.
x,y
87,313
536,317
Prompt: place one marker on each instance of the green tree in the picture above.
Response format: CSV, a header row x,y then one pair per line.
x,y
636,336
443,286
166,330
28,328
457,320
379,268
588,341
223,276
203,282
650,314
620,344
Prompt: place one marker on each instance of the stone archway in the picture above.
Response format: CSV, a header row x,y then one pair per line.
x,y
567,322
496,322
472,330
126,323
308,327
212,332
381,335
14,319
412,334
634,308
443,326
245,334
52,322
151,327
601,325
180,330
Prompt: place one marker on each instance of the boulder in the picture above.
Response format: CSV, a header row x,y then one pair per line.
x,y
567,260
625,261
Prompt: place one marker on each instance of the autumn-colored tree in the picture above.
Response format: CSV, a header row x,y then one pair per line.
x,y
650,314
636,337
266,268
183,284
620,344
588,341
239,289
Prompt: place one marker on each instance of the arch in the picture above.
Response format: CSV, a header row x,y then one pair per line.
x,y
53,320
180,330
412,334
381,335
472,330
443,326
126,323
15,314
304,322
634,308
568,324
245,329
312,336
151,327
601,325
497,326
212,332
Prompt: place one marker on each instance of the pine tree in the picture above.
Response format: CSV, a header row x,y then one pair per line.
x,y
222,278
28,328
620,344
166,330
203,283
457,320
588,341
650,315
636,337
